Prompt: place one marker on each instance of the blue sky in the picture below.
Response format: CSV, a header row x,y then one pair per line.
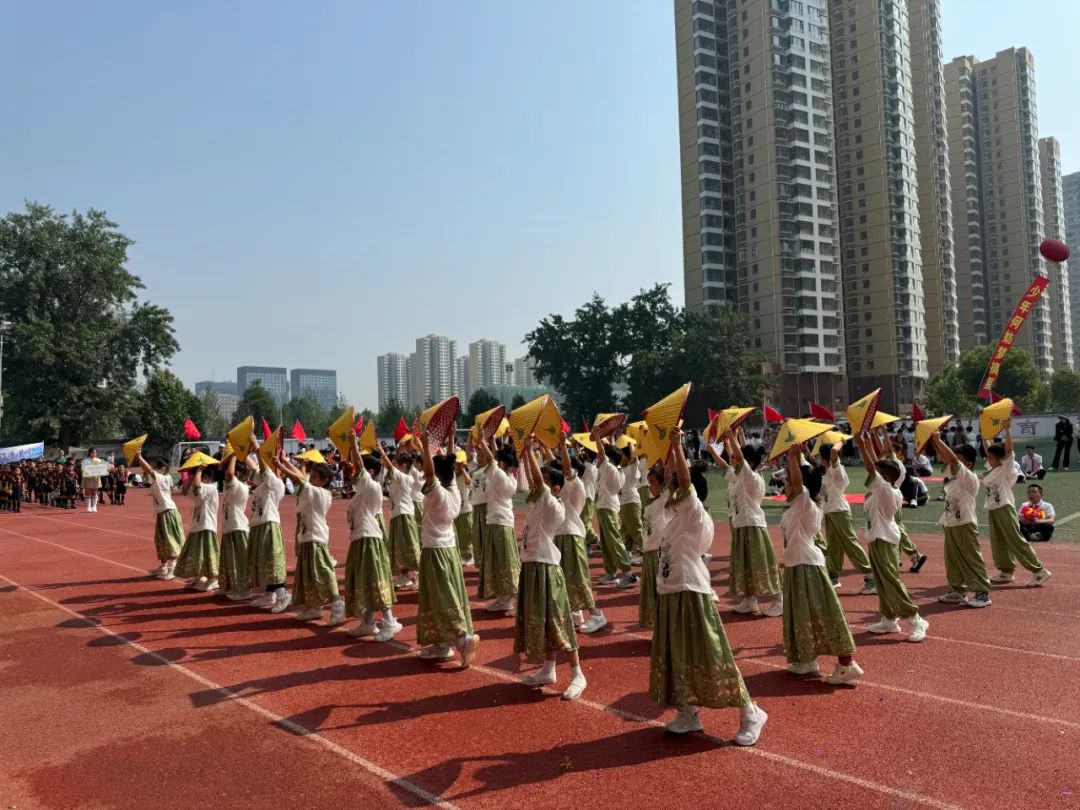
x,y
357,174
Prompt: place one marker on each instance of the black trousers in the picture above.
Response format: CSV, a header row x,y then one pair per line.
x,y
1065,447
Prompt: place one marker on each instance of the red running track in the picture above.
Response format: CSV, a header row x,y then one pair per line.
x,y
124,691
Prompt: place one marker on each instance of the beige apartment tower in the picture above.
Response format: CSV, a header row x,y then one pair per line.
x,y
997,197
759,186
1061,326
1070,185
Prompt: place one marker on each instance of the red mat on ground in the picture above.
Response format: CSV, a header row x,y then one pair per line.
x,y
851,497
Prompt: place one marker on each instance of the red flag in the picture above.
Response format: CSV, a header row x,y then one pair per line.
x,y
1008,336
585,425
401,430
266,429
358,428
190,431
565,428
712,415
298,432
916,412
821,412
771,414
995,397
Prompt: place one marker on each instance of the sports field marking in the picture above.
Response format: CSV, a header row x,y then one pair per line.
x,y
1067,519
296,728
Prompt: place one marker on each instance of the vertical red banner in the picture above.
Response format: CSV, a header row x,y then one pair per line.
x,y
1020,314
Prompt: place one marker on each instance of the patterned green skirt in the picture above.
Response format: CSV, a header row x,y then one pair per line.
x,y
479,525
630,520
369,582
464,533
575,566
418,512
382,522
168,534
753,563
234,562
588,512
500,564
650,564
315,580
691,663
199,556
543,623
404,543
814,622
443,614
266,555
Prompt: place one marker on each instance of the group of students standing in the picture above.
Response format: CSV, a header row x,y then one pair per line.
x,y
453,507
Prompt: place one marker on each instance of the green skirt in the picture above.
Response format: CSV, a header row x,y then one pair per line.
x,y
199,556
168,534
404,543
753,563
464,532
479,526
691,663
588,512
418,512
630,520
575,566
382,522
369,582
266,555
234,562
443,614
315,580
650,564
814,622
543,624
499,564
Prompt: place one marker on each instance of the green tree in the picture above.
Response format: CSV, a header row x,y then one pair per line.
x,y
517,401
955,389
213,423
481,401
945,393
161,409
257,402
1065,390
313,416
79,336
367,415
389,416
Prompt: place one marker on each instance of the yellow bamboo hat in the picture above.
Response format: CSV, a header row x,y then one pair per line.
x,y
796,431
993,417
860,413
133,447
926,428
439,420
489,422
199,459
661,418
268,449
605,424
341,432
548,429
240,438
523,420
313,456
585,440
881,419
368,440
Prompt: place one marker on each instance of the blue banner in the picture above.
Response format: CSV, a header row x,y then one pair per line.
x,y
22,452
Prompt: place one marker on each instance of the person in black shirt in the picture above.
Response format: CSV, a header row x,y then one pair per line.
x,y
1063,437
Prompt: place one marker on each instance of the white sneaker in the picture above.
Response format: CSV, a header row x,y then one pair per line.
x,y
578,617
281,604
309,615
750,727
842,674
235,596
1002,577
775,608
917,628
168,575
979,600
628,581
467,646
884,626
400,580
363,630
635,559
394,627
953,598
1038,578
538,678
747,605
212,585
869,588
265,600
575,688
383,634
437,652
595,622
467,562
809,668
684,724
159,571
608,579
337,614
706,558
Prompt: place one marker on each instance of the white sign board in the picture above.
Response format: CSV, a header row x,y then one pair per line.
x,y
95,469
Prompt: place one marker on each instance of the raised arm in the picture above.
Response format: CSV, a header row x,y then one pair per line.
x,y
288,470
682,470
230,467
945,453
1007,432
484,454
866,450
146,468
532,467
429,465
834,454
794,472
564,455
734,448
715,456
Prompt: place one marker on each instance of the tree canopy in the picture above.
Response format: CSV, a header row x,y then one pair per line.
x,y
313,416
955,389
256,401
481,400
162,407
1065,389
389,416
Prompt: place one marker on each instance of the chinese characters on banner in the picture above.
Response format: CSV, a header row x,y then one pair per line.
x,y
1023,309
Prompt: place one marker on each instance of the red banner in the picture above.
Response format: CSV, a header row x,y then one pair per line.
x,y
1023,309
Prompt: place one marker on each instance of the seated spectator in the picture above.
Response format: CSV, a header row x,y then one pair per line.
x,y
920,492
1031,463
1036,516
921,465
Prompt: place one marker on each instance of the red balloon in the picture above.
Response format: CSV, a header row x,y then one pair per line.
x,y
1054,250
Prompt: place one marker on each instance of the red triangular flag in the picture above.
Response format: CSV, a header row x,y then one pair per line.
x,y
266,429
585,425
995,397
712,415
298,432
771,414
916,412
358,428
821,412
401,430
190,431
565,428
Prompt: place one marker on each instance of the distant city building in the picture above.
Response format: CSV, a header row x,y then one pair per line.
x,y
525,371
431,370
506,393
274,380
393,371
1061,326
462,380
322,384
1070,185
226,393
486,365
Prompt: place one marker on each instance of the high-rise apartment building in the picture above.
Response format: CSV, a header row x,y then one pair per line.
x,y
880,237
934,183
759,220
275,380
320,383
462,381
226,392
431,370
997,195
1070,186
393,374
1053,203
487,365
525,372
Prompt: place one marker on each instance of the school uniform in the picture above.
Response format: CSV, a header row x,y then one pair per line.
x,y
840,537
656,518
883,501
235,576
690,662
965,568
570,542
404,531
463,529
610,480
630,509
266,545
443,614
590,480
199,556
814,621
1007,545
500,564
369,581
314,580
478,501
754,571
417,479
643,481
542,622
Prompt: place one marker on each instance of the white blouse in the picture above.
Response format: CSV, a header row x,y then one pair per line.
x,y
400,488
501,488
800,522
463,491
882,503
999,483
589,479
478,496
572,496
629,492
542,521
655,518
266,499
234,517
204,515
312,505
609,485
687,535
961,492
746,498
833,485
441,506
161,492
364,508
